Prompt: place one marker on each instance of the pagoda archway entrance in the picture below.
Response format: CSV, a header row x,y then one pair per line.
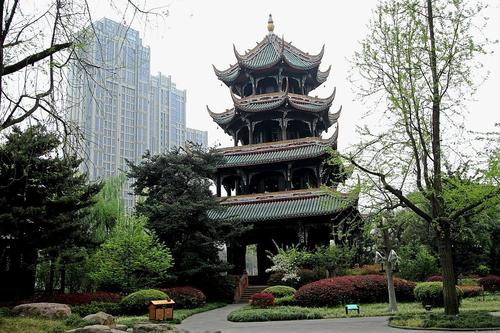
x,y
269,181
267,131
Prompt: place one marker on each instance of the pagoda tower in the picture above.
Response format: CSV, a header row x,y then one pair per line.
x,y
273,177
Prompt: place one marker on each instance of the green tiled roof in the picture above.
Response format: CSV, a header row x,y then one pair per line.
x,y
279,206
289,150
269,52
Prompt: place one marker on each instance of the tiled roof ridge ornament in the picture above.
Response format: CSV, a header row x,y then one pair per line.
x,y
270,24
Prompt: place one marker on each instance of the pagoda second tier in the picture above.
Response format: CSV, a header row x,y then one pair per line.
x,y
284,114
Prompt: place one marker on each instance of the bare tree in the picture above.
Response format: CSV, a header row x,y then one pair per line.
x,y
419,62
37,42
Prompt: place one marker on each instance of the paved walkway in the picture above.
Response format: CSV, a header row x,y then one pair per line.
x,y
216,320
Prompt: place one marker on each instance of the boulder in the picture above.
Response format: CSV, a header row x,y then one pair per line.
x,y
48,310
149,327
119,327
93,329
101,318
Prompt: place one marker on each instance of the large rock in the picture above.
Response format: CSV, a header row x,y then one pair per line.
x,y
149,327
121,327
49,310
101,318
95,329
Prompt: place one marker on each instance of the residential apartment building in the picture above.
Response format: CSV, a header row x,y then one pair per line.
x,y
122,111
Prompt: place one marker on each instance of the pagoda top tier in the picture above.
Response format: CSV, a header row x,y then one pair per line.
x,y
271,52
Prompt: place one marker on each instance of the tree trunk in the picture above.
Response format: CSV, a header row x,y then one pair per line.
x,y
50,287
446,260
63,278
393,305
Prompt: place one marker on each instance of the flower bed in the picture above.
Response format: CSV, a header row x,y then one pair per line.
x,y
352,289
262,300
186,297
490,283
85,298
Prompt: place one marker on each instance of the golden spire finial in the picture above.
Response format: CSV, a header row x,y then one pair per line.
x,y
270,24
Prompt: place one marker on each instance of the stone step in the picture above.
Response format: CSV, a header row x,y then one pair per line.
x,y
249,291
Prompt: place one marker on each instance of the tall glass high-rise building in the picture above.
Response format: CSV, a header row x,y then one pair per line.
x,y
121,109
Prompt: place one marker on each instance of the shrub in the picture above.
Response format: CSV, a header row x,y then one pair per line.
x,y
131,258
276,279
432,293
417,263
490,283
309,275
284,301
468,282
304,275
280,291
137,303
482,270
347,289
262,300
471,291
435,278
373,269
186,297
274,313
94,307
85,298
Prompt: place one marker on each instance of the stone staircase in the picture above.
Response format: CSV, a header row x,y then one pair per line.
x,y
249,291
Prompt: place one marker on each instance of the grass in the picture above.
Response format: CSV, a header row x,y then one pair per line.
x,y
179,315
246,314
32,325
468,319
16,324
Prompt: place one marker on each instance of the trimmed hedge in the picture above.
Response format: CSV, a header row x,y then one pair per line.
x,y
352,289
471,291
262,300
432,293
280,291
186,297
490,283
85,298
137,303
435,278
94,307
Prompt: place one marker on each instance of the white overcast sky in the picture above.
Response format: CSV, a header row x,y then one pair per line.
x,y
199,33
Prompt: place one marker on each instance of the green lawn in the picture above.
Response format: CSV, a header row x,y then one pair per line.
x,y
466,319
15,324
179,315
247,313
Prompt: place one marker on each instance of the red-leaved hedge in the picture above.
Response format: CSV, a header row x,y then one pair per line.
x,y
352,289
471,291
85,298
186,297
262,300
435,278
490,283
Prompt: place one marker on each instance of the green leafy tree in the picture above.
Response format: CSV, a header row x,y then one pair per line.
x,y
59,268
334,259
419,60
132,258
41,197
177,196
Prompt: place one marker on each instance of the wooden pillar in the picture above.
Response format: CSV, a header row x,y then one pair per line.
x,y
318,176
218,185
250,133
289,177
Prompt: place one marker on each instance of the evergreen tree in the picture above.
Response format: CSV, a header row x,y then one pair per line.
x,y
41,195
177,197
